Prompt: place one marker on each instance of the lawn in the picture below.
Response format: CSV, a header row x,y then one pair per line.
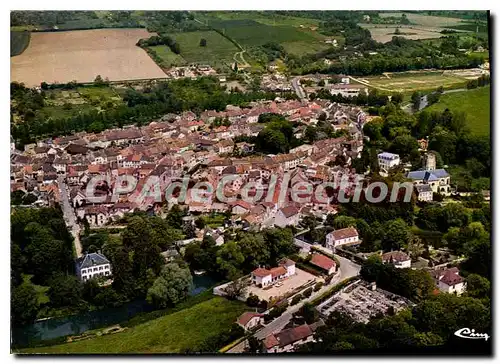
x,y
426,20
168,334
217,50
168,57
475,103
19,41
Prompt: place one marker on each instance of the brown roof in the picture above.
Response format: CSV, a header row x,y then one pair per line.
x,y
450,278
344,233
271,341
289,336
277,271
285,262
322,261
289,211
396,256
247,316
261,272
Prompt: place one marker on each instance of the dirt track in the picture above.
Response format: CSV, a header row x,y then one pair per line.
x,y
82,55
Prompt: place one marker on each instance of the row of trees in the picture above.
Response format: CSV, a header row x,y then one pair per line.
x,y
141,107
156,40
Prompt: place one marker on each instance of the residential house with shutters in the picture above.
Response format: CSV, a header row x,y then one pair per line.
x,y
449,280
398,259
289,340
93,265
342,236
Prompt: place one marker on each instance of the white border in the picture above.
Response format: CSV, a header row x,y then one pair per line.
x,y
212,5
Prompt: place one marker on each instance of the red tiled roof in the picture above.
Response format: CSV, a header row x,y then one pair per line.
x,y
450,278
261,272
322,261
247,316
277,271
271,341
340,234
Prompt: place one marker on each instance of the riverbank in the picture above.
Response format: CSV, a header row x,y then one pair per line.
x,y
172,333
56,330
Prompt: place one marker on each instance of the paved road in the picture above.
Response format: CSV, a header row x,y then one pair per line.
x,y
347,269
69,215
298,88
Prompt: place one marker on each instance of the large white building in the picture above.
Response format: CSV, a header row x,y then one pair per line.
x,y
93,265
262,277
437,179
342,236
386,160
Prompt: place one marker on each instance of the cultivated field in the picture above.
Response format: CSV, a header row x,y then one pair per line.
x,y
426,20
168,57
407,82
82,55
217,50
475,103
383,33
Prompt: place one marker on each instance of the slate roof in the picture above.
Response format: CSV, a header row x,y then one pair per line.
x,y
93,259
423,188
430,176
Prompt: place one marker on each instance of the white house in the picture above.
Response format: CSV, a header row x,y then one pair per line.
x,y
342,236
249,320
287,216
449,281
263,277
388,160
424,192
93,265
323,262
397,258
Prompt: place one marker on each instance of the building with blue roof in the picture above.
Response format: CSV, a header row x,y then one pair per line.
x,y
437,179
93,265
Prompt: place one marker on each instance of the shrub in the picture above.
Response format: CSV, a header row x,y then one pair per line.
x,y
318,286
308,292
253,300
296,299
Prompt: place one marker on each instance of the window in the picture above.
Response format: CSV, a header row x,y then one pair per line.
x,y
106,267
83,271
100,268
95,269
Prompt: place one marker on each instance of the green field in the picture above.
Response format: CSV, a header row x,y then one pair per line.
x,y
264,18
217,51
168,57
168,334
408,82
19,41
475,103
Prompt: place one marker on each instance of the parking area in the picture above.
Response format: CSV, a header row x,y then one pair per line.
x,y
284,286
359,301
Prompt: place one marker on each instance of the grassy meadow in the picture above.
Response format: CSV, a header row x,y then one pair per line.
x,y
168,334
475,103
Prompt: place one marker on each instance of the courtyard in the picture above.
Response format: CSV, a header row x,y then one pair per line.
x,y
284,286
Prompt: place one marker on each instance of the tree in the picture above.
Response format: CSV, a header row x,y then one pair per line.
x,y
296,299
203,42
230,259
415,247
235,289
308,313
478,287
24,304
64,290
172,286
396,235
252,300
416,100
254,345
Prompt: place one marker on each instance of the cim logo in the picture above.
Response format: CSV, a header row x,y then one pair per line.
x,y
467,333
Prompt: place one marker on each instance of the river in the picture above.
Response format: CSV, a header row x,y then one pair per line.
x,y
77,324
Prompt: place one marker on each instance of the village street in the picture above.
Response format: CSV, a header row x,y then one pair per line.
x,y
347,269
